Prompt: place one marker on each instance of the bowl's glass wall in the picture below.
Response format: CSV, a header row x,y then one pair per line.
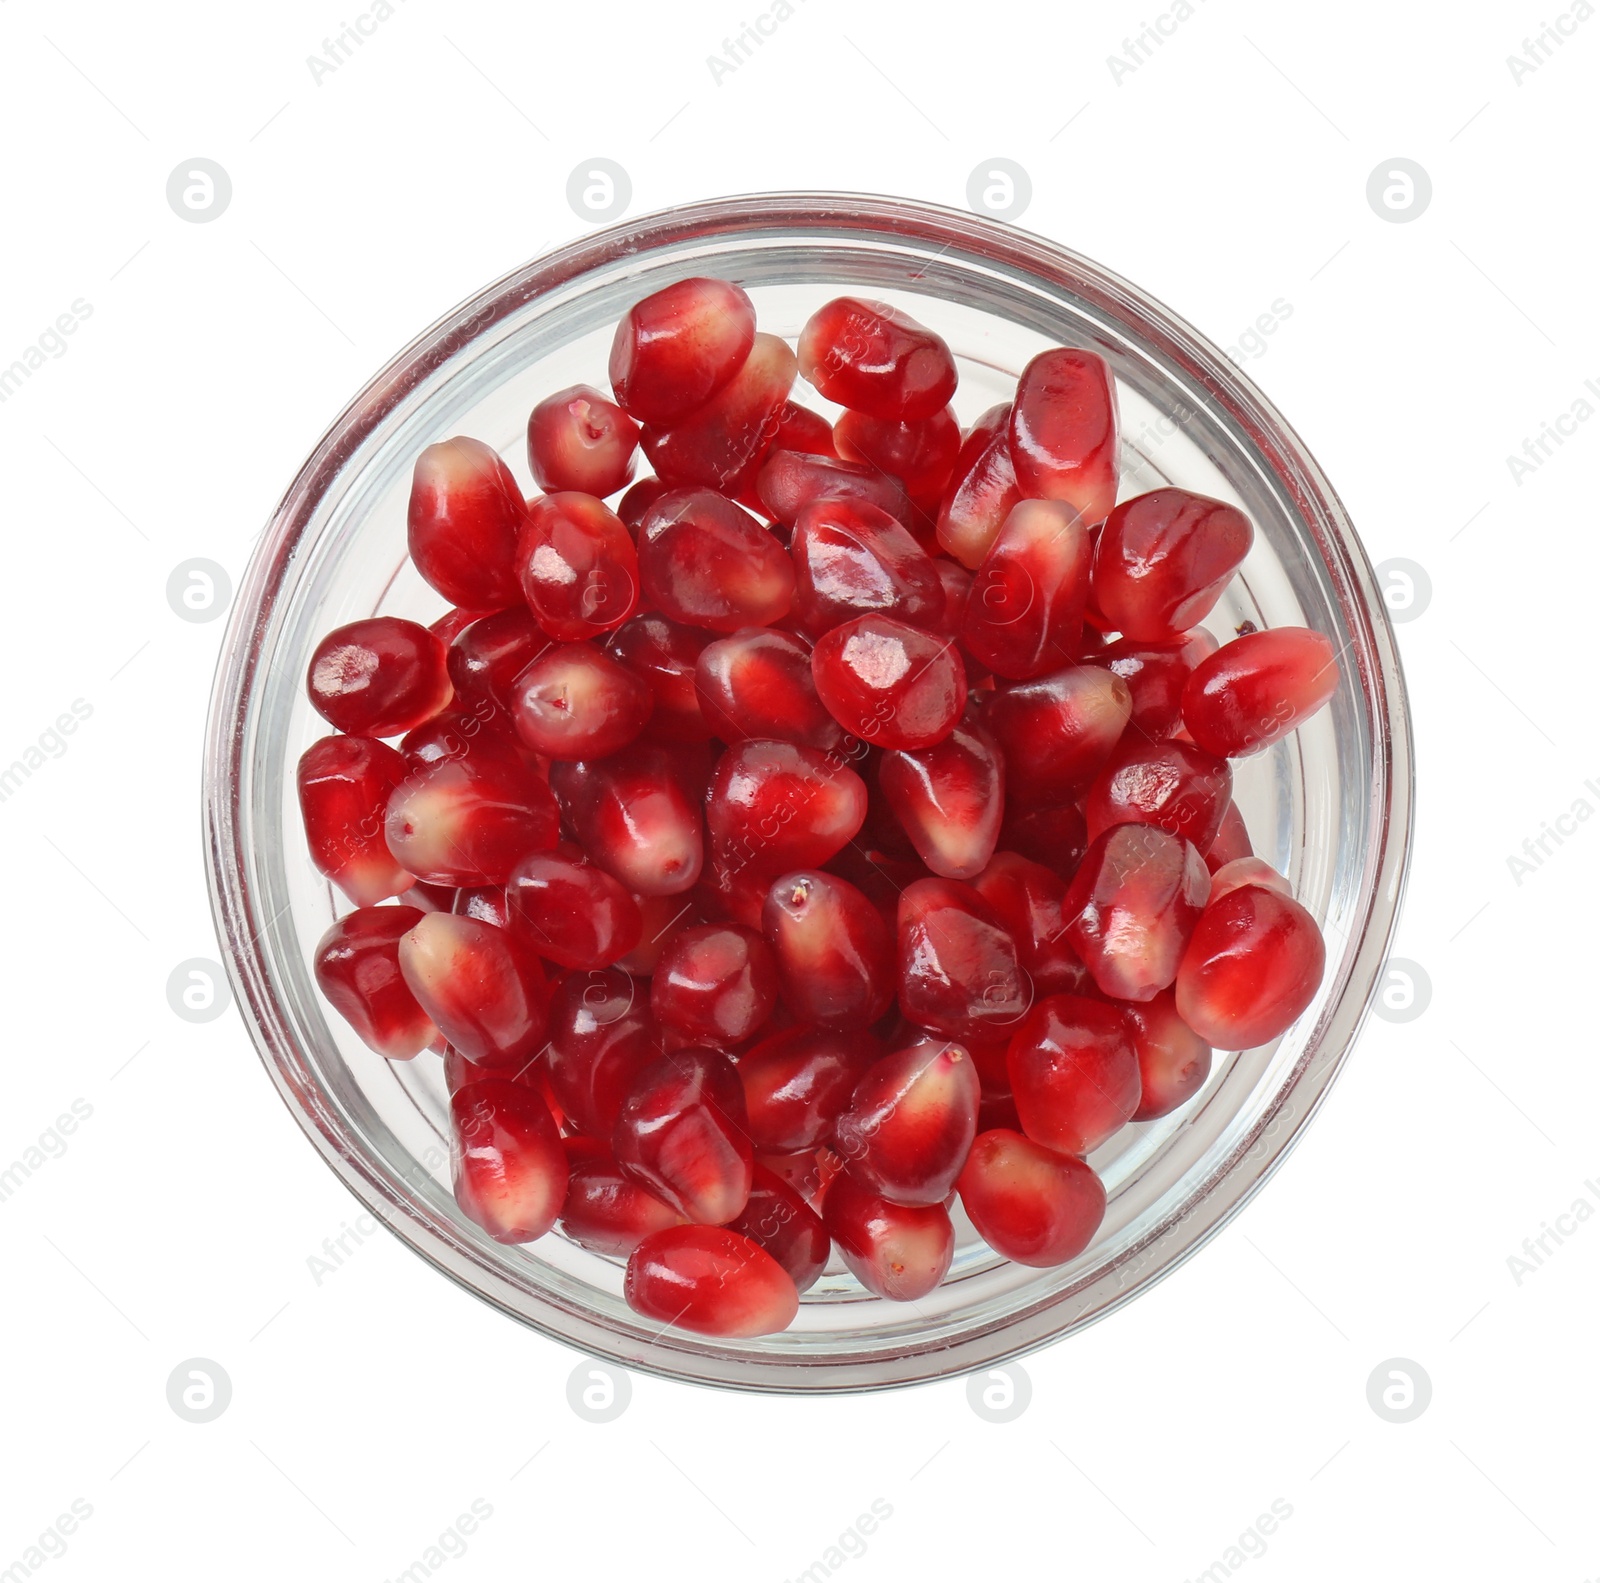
x,y
1329,806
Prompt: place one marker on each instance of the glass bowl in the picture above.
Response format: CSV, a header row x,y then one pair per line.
x,y
1330,805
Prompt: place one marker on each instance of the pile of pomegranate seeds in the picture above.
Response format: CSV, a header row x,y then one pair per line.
x,y
837,824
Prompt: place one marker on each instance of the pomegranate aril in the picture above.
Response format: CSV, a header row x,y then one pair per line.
x,y
602,1039
605,1211
681,1134
834,952
1249,870
852,559
506,1160
486,657
357,967
897,1251
777,1218
1063,431
1253,964
454,622
711,1280
921,454
1232,842
1057,730
577,439
578,566
982,491
874,358
379,677
678,347
1031,1204
715,984
796,1083
459,1072
756,686
634,818
462,524
790,481
708,563
576,702
949,798
344,786
1056,837
638,500
1175,785
1029,898
801,429
481,986
578,913
1258,688
482,727
1132,907
663,654
1156,674
959,973
1074,1074
1174,1061
775,806
489,904
889,683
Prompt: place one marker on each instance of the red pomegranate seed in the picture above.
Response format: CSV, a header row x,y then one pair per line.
x,y
1133,905
708,563
851,560
675,349
453,622
602,1039
481,728
1174,1061
779,1220
506,1160
949,799
796,1083
1175,785
1163,559
1056,731
484,991
681,1134
888,683
459,1072
357,967
801,429
486,657
1029,898
579,569
576,702
1030,1204
834,952
634,818
911,1121
660,915
1063,431
981,493
897,1251
579,914
606,1212
876,359
1258,688
1074,1073
789,481
462,524
1248,870
922,455
638,500
720,445
732,895
379,677
663,654
774,806
1155,674
579,440
957,583
959,973
711,1280
1233,840
756,686
1024,614
1253,965
1056,837
716,984
489,904
344,784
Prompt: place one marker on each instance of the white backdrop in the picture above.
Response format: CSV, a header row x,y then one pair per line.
x,y
1223,163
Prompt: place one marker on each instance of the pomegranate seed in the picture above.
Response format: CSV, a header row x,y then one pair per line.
x,y
852,559
1249,870
733,895
716,983
453,622
462,524
922,455
663,654
484,991
357,967
1029,898
1257,689
707,563
897,1251
949,799
432,898
675,349
834,952
638,500
605,1211
721,444
1253,965
344,784
1174,1061
1055,837
579,569
775,806
1056,731
459,1072
777,1219
506,1160
486,657
579,914
911,1121
634,818
959,973
876,359
1174,785
1063,431
797,1082
957,583
711,1280
889,683
579,440
681,1135
803,1172
379,677
1233,840
1074,1074
660,915
756,686
483,727
1030,1204
489,904
576,702
1155,674
790,481
602,1040
981,493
